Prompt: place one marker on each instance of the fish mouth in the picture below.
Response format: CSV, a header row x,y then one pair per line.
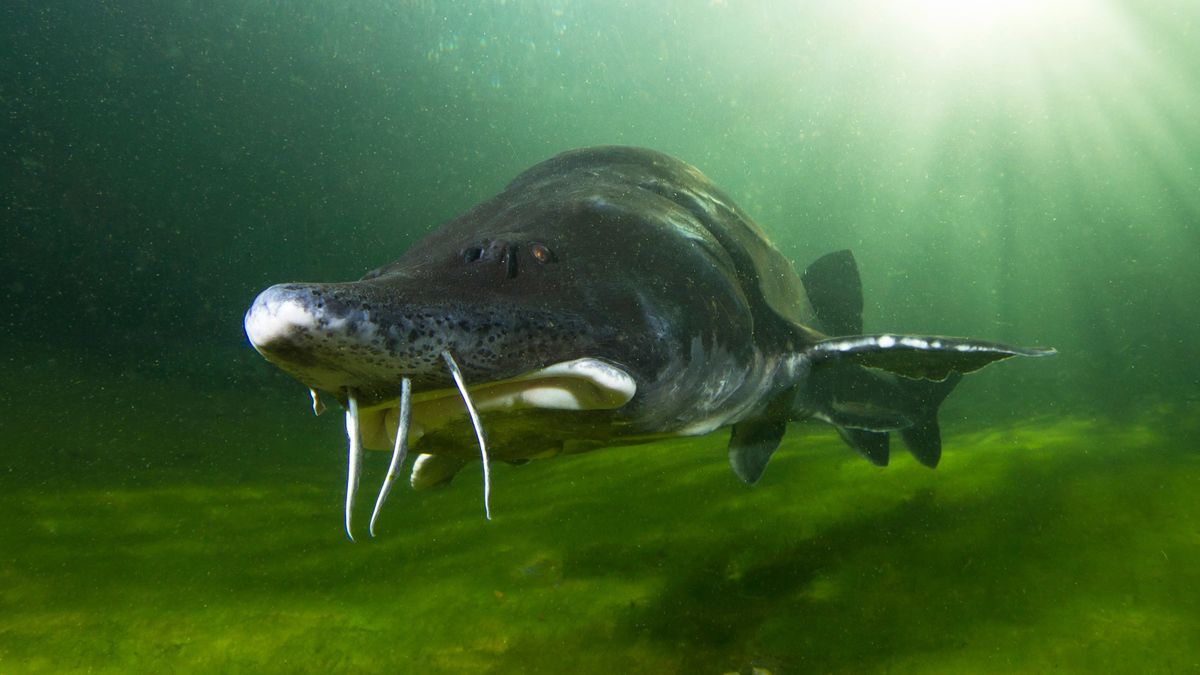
x,y
334,346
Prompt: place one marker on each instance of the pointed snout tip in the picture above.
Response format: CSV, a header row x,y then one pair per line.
x,y
278,313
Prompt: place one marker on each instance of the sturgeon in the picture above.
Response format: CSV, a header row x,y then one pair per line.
x,y
607,296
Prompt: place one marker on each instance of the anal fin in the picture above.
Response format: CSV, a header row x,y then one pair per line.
x,y
751,445
870,444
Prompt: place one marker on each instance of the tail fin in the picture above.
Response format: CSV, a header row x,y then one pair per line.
x,y
869,385
845,384
924,437
866,405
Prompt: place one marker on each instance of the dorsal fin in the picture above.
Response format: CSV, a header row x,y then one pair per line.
x,y
835,291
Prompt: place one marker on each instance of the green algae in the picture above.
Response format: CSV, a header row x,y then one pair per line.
x,y
1063,544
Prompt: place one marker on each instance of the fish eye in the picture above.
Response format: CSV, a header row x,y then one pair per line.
x,y
542,254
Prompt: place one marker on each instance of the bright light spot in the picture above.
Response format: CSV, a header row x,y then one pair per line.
x,y
959,20
969,33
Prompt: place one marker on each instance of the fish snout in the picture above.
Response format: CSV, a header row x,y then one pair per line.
x,y
358,336
282,315
324,335
368,336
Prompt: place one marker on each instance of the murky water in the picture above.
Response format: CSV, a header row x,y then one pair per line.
x,y
1024,173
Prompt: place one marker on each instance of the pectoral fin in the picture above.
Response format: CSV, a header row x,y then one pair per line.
x,y
751,446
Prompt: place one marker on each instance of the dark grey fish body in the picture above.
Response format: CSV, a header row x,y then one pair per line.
x,y
615,295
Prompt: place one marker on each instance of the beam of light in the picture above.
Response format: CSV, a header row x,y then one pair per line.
x,y
964,23
957,35
1049,82
996,135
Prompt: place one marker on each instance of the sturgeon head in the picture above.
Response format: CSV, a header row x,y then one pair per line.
x,y
572,310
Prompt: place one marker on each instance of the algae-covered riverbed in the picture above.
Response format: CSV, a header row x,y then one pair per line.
x,y
1058,543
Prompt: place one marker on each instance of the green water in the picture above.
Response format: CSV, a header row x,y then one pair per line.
x,y
1024,172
